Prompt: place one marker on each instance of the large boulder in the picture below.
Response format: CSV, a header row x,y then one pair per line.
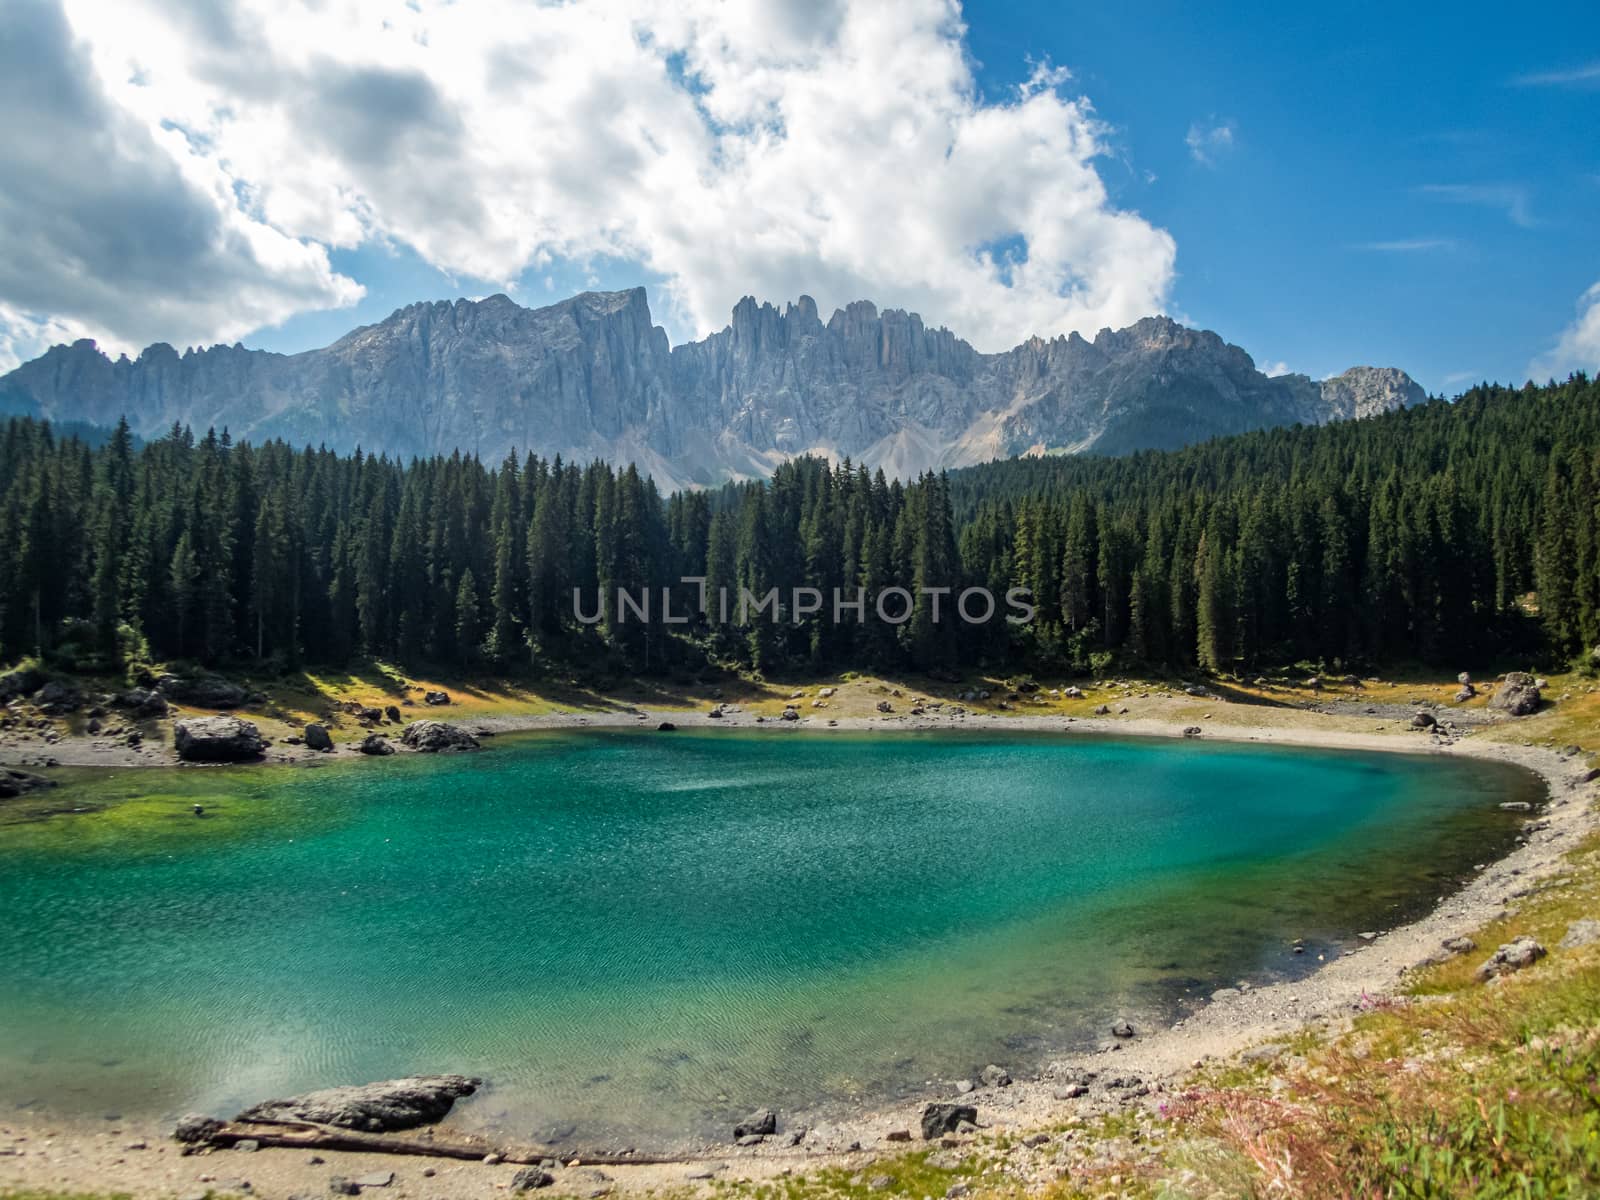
x,y
142,702
374,1107
217,739
203,691
1517,696
56,697
438,737
436,698
318,738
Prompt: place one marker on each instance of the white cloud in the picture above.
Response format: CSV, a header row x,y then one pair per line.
x,y
1578,347
1584,76
1409,245
1208,141
770,147
113,226
1274,369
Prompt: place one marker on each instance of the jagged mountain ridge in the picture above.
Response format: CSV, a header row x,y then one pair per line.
x,y
593,376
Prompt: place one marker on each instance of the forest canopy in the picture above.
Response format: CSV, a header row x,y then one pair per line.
x,y
1448,533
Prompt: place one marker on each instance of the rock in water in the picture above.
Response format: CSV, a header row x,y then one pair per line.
x,y
217,739
373,1107
762,1123
438,737
1517,696
318,738
14,783
940,1119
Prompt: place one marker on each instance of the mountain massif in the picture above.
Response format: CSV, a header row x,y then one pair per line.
x,y
593,377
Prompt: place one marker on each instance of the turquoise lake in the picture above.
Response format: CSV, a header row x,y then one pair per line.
x,y
635,936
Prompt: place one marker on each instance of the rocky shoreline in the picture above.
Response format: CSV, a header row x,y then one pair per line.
x,y
1125,1073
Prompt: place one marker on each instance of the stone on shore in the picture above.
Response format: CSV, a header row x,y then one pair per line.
x,y
376,745
217,739
529,1178
374,1107
196,1128
994,1076
436,698
438,737
1513,956
1583,932
1517,696
761,1123
205,691
318,738
940,1119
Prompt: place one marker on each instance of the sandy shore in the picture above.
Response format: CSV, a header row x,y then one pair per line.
x,y
134,1157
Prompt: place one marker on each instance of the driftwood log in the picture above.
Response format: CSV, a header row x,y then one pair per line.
x,y
308,1135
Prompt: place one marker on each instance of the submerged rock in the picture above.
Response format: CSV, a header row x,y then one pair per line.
x,y
374,1107
14,783
438,737
217,739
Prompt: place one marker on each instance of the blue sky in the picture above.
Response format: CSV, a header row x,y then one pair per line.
x,y
1350,122
1324,185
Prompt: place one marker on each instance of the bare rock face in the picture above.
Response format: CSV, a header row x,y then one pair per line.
x,y
593,377
438,737
373,1107
217,739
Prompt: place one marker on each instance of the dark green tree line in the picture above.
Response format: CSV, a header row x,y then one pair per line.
x,y
1444,534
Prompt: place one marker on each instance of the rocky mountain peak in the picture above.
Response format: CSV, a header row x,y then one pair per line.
x,y
593,376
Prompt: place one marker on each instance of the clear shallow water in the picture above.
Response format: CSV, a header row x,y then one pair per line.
x,y
634,936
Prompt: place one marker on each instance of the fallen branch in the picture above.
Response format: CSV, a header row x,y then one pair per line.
x,y
308,1135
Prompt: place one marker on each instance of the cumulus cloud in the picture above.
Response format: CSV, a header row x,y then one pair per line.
x,y
1210,140
772,147
110,225
1578,347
